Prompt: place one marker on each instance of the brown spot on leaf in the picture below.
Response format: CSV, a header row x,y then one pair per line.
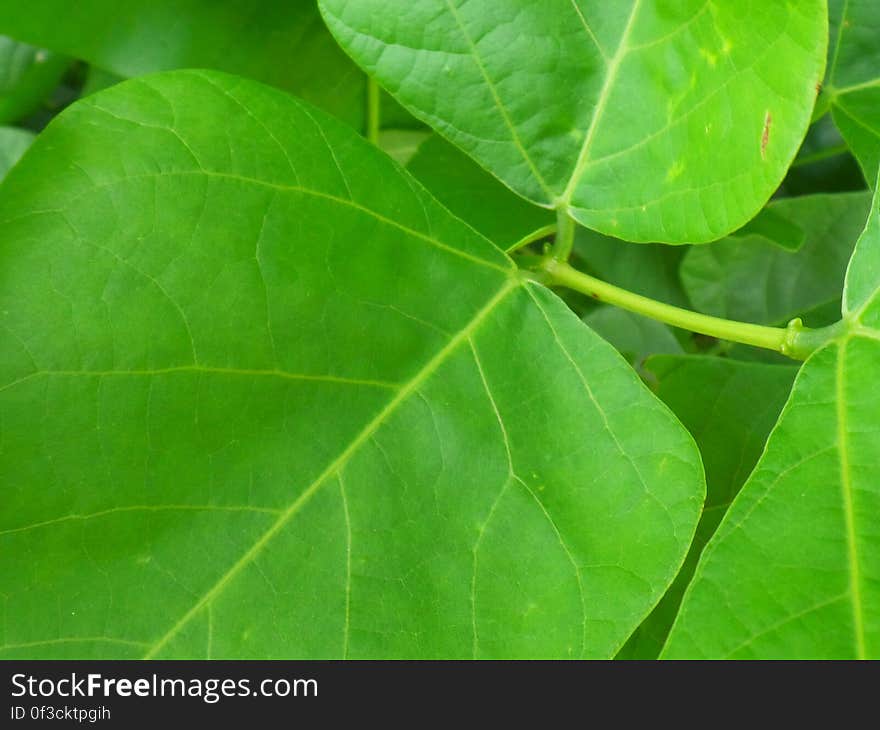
x,y
765,136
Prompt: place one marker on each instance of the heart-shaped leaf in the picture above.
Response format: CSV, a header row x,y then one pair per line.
x,y
794,569
646,120
633,336
254,404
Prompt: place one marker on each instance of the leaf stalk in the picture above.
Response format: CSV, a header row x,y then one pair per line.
x,y
533,237
565,229
794,341
374,111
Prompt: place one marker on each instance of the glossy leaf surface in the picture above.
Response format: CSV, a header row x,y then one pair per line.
x,y
253,404
630,113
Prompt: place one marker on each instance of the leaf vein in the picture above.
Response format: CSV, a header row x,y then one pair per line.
x,y
141,508
336,465
848,504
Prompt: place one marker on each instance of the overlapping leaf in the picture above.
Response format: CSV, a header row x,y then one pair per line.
x,y
13,143
753,279
853,83
253,404
730,408
630,114
27,76
651,270
794,569
275,41
474,195
824,163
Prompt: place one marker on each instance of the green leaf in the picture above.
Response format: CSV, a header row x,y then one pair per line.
x,y
738,405
629,114
633,336
853,83
824,164
13,143
753,279
97,79
730,408
651,270
27,76
481,200
774,225
794,569
863,274
278,42
254,404
474,195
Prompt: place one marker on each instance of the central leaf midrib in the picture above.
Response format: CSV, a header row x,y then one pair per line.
x,y
201,368
613,67
344,456
853,566
852,88
496,98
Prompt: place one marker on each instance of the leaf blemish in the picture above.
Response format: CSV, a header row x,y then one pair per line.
x,y
765,135
675,171
710,58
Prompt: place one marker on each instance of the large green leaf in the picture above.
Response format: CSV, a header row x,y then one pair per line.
x,y
730,408
254,404
648,120
794,569
633,336
753,279
280,42
27,76
853,83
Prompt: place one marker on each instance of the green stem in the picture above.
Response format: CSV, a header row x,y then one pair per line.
x,y
794,341
565,228
543,232
373,111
